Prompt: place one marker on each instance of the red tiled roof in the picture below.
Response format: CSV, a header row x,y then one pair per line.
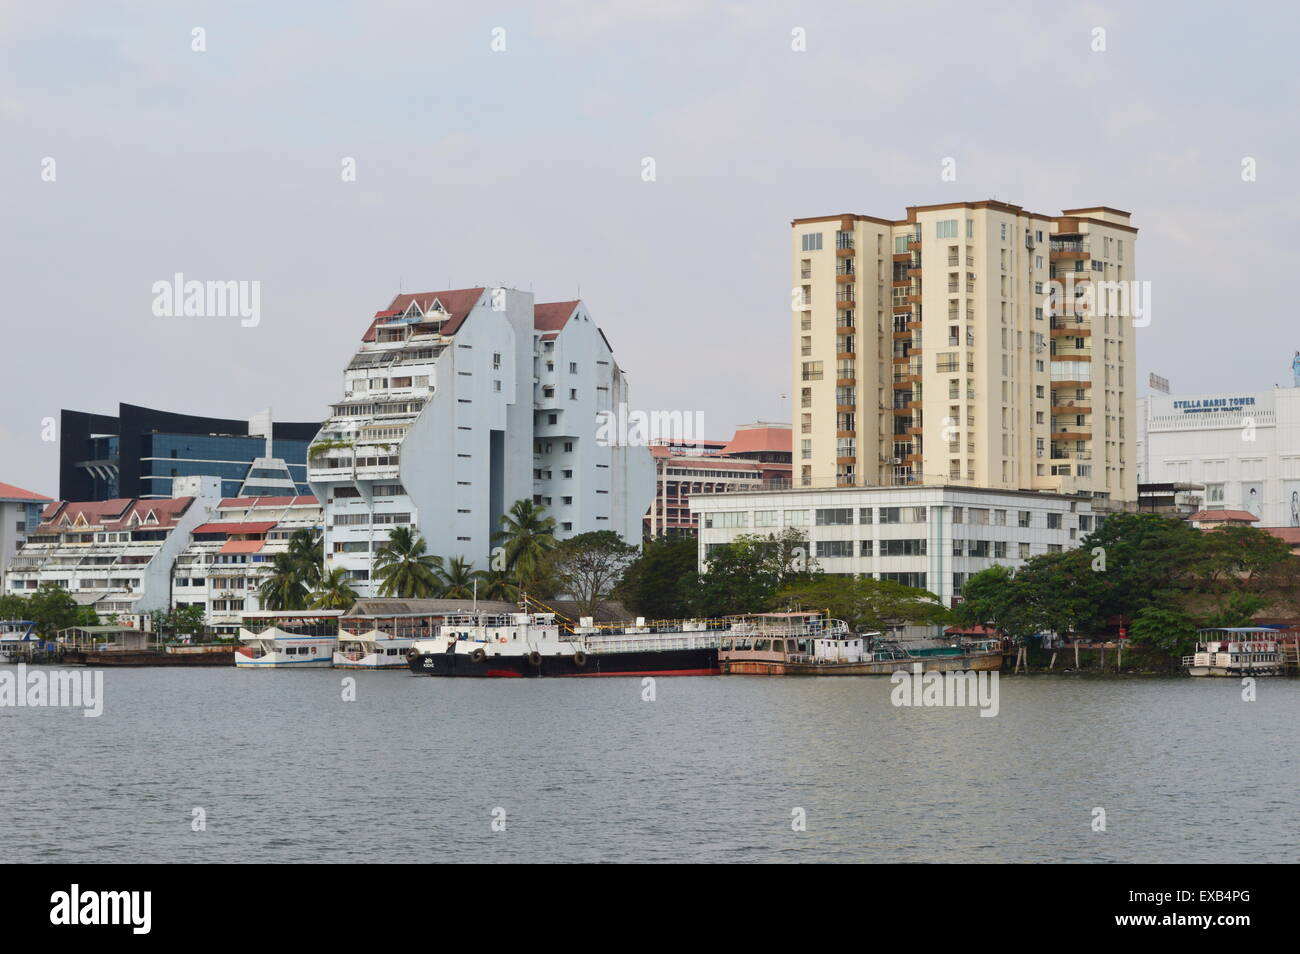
x,y
250,526
242,546
116,514
458,303
1290,535
553,315
751,439
165,511
10,492
95,511
1213,516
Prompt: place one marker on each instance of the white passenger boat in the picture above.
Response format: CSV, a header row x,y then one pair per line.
x,y
17,638
1235,651
288,640
371,650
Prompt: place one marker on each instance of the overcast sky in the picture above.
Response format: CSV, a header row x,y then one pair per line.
x,y
524,167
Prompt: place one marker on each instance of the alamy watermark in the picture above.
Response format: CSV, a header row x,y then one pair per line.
x,y
1119,299
212,299
945,689
43,688
625,428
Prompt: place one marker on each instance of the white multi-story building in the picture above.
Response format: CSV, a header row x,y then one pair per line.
x,y
20,513
1242,447
229,557
114,555
457,404
930,537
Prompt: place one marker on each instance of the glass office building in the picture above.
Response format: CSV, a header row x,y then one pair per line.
x,y
139,452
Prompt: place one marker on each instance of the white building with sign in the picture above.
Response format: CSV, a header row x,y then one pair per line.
x,y
930,537
1244,447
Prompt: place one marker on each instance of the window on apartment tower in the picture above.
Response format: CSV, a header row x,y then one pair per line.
x,y
812,241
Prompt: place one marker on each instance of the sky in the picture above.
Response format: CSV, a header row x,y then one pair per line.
x,y
525,166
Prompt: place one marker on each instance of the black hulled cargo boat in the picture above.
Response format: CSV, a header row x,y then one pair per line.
x,y
517,645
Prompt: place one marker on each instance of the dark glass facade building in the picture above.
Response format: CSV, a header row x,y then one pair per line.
x,y
138,452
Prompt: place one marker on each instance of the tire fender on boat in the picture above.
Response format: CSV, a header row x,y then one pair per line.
x,y
534,658
580,658
478,655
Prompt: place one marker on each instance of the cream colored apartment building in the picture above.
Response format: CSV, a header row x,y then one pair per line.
x,y
971,343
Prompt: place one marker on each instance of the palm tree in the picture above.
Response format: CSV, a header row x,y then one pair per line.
x,y
405,569
333,591
308,550
497,585
284,589
458,579
528,537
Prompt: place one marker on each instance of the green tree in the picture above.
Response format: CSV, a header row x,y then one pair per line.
x,y
1237,609
404,569
188,620
13,607
458,579
1165,629
284,589
864,603
498,585
528,537
588,567
743,576
660,583
52,608
307,548
333,591
993,598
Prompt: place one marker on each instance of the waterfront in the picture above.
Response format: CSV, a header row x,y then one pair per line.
x,y
586,771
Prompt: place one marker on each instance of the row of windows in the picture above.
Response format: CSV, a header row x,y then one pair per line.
x,y
985,549
844,516
365,519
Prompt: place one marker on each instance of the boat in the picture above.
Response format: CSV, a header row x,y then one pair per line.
x,y
1235,651
197,655
373,649
515,645
18,640
288,640
811,644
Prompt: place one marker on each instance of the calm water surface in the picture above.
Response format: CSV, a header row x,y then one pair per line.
x,y
710,771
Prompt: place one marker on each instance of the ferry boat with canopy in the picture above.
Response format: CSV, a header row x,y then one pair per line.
x,y
288,640
371,649
1235,651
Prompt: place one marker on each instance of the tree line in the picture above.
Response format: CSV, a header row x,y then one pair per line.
x,y
1157,576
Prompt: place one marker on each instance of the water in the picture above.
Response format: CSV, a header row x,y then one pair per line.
x,y
587,771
